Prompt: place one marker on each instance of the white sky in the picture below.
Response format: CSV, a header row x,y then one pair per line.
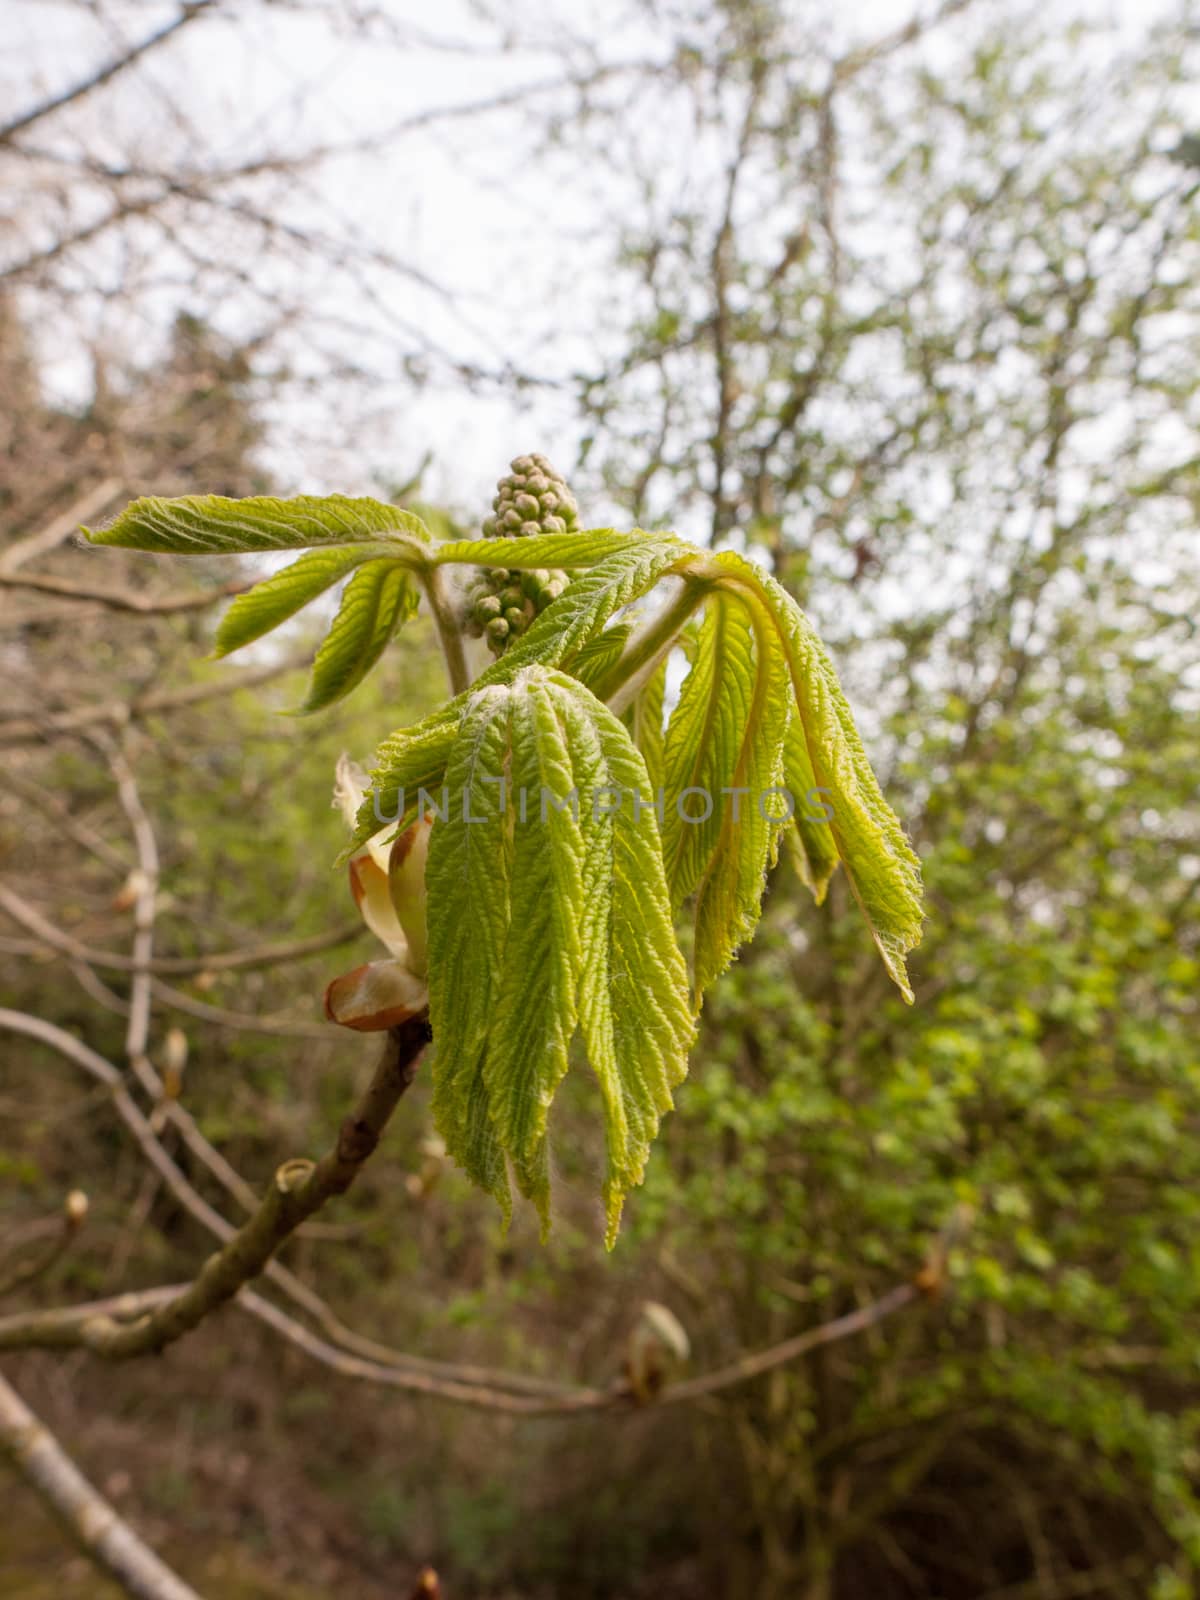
x,y
465,204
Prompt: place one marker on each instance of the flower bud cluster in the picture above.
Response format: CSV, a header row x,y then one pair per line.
x,y
532,499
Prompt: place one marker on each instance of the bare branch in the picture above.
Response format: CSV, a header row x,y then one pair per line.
x,y
263,955
31,730
298,1190
116,600
58,1232
93,504
86,1514
103,74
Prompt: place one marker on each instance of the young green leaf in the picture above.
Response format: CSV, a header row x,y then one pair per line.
x,y
535,1013
282,595
468,886
550,912
585,606
210,524
599,653
729,895
810,838
883,871
633,1003
583,548
644,719
378,598
724,750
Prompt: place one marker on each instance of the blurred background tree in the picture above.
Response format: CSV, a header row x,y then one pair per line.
x,y
909,314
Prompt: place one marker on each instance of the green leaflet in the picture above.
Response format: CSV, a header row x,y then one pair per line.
x,y
467,881
883,871
633,1004
810,838
546,917
725,743
210,524
409,761
644,719
377,599
729,896
285,593
535,1014
583,548
600,652
584,607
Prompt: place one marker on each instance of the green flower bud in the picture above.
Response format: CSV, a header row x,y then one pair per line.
x,y
516,619
497,631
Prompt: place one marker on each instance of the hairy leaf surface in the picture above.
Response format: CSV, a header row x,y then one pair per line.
x,y
282,595
211,524
378,598
551,913
880,864
468,886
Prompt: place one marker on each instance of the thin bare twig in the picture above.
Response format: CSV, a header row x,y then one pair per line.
x,y
103,74
264,955
117,600
31,730
299,1189
86,1514
96,501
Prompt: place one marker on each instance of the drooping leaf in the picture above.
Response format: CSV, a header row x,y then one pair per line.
x,y
560,919
282,595
601,651
702,740
729,895
644,719
633,1004
535,1012
378,598
207,525
810,838
882,869
468,886
723,752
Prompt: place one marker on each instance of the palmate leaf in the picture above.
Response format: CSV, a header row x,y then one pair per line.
x,y
559,926
211,525
543,918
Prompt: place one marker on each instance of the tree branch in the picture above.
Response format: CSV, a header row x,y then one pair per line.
x,y
88,1517
103,74
299,1189
116,600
